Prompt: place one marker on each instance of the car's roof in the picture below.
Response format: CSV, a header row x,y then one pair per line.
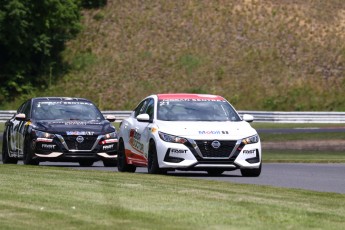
x,y
60,99
172,96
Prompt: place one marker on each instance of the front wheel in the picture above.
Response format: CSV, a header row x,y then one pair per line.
x,y
251,172
6,159
152,161
122,164
28,153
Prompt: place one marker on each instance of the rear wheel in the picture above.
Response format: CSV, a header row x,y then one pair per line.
x,y
215,172
86,163
28,153
6,159
152,161
122,164
251,172
110,163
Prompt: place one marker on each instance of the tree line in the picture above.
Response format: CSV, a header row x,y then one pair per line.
x,y
33,34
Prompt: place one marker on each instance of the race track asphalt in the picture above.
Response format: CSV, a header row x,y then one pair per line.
x,y
316,177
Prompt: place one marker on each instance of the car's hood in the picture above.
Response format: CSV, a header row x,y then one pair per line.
x,y
207,130
78,127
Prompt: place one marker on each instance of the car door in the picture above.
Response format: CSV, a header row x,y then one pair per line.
x,y
136,130
14,129
132,139
22,127
144,128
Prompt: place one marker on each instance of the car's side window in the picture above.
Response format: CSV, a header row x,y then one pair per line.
x,y
141,108
150,108
26,109
20,109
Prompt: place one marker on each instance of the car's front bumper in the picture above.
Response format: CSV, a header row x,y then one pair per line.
x,y
59,150
196,156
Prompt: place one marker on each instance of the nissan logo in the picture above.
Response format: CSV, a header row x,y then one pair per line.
x,y
80,139
215,144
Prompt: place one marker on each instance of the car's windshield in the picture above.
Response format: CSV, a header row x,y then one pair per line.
x,y
196,110
65,110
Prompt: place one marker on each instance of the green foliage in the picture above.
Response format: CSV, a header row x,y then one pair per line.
x,y
260,55
82,60
196,90
32,35
189,63
93,3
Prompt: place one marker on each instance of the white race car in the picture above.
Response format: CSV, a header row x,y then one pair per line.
x,y
200,132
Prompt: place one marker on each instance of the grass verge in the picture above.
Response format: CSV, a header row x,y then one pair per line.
x,y
60,198
269,125
301,136
302,156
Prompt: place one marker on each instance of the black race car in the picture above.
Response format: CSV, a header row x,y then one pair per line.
x,y
59,129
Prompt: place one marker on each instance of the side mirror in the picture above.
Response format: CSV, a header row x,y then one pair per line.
x,y
20,117
143,117
110,118
248,118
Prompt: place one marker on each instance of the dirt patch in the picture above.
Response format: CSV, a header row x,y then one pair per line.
x,y
324,145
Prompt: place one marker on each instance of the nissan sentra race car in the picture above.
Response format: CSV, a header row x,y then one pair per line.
x,y
59,129
188,132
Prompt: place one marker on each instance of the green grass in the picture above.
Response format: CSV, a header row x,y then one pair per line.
x,y
61,198
302,156
277,136
301,136
269,125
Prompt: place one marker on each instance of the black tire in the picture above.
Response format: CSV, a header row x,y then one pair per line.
x,y
251,172
110,163
152,161
28,153
86,163
122,164
215,172
6,159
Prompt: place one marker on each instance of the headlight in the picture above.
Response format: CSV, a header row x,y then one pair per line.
x,y
40,134
110,135
251,140
109,138
172,138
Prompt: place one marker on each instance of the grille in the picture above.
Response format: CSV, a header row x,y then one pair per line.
x,y
223,151
85,145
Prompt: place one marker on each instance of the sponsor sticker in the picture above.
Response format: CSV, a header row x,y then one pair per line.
x,y
178,151
75,123
134,140
47,146
108,147
136,144
134,134
62,103
205,132
79,133
250,153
